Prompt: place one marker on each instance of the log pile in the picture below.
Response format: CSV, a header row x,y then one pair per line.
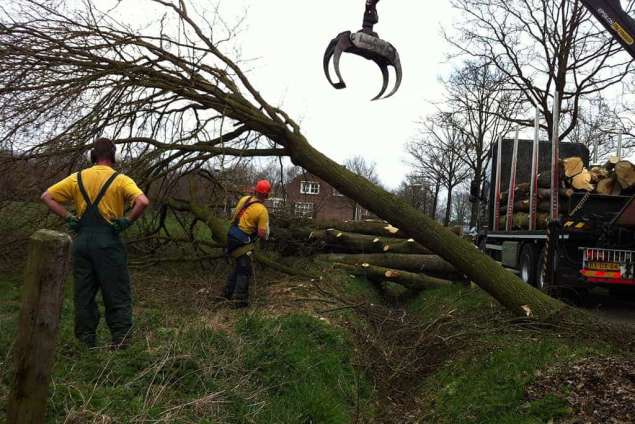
x,y
380,252
616,177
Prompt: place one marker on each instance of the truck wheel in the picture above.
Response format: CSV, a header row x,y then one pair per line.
x,y
528,264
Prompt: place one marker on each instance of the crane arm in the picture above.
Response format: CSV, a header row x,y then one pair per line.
x,y
615,20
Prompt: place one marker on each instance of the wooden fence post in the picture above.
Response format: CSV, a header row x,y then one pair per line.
x,y
34,349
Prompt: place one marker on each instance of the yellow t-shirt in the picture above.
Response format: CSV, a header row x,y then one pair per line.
x,y
122,191
254,217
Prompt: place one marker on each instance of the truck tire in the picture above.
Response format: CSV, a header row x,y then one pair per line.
x,y
527,264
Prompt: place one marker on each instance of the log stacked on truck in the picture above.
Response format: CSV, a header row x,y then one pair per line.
x,y
380,252
616,177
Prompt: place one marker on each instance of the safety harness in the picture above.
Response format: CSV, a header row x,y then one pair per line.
x,y
238,242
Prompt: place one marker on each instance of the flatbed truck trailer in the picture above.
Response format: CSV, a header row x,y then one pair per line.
x,y
592,243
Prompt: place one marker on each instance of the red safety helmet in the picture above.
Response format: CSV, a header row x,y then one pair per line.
x,y
263,187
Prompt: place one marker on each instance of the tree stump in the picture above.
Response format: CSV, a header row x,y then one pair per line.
x,y
42,297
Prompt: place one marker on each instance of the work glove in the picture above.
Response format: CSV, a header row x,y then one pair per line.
x,y
121,224
72,222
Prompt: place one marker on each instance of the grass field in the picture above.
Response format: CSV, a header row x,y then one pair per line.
x,y
292,359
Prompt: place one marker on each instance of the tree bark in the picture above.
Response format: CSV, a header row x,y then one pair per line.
x,y
407,279
448,208
350,241
476,206
409,246
435,201
431,264
504,286
42,299
368,227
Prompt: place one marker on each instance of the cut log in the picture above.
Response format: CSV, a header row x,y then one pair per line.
x,y
582,181
543,206
409,246
350,241
608,186
572,166
598,173
371,227
610,164
521,220
407,279
545,193
625,173
430,264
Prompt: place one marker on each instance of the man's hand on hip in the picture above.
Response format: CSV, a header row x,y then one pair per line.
x,y
121,224
72,222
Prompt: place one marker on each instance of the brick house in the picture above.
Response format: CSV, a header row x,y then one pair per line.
x,y
311,197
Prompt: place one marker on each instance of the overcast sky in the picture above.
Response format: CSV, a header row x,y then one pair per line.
x,y
285,42
288,39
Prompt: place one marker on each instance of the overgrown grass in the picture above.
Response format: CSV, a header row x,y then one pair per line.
x,y
486,382
192,365
182,368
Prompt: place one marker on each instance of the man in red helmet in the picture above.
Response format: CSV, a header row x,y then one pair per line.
x,y
250,223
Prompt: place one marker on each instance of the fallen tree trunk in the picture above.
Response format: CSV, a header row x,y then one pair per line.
x,y
407,279
409,246
369,227
362,243
504,286
431,264
349,241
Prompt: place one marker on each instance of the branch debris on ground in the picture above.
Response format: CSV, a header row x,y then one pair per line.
x,y
598,389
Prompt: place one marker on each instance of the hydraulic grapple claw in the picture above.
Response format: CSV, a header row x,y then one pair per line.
x,y
367,44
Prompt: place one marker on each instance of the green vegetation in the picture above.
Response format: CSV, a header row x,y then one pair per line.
x,y
194,365
486,380
288,369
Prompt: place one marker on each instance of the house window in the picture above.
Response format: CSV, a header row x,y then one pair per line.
x,y
277,203
309,187
304,210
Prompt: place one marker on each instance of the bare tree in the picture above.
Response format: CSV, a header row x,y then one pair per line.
x,y
482,103
364,168
417,192
461,208
175,100
439,152
542,46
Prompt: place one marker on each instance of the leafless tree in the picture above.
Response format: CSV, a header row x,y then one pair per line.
x,y
438,152
543,46
482,103
364,168
461,208
598,128
172,96
416,190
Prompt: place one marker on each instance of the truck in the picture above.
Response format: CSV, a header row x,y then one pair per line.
x,y
591,242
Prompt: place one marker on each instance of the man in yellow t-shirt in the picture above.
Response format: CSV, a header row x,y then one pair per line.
x,y
250,223
100,196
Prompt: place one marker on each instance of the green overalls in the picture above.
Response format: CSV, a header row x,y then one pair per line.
x,y
100,262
